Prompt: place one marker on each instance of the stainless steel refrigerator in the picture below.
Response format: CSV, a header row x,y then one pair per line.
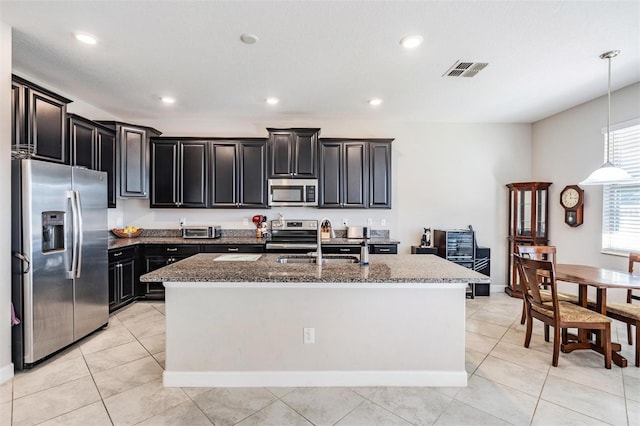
x,y
60,264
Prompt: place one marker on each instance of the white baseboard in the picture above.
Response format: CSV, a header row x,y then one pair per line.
x,y
6,372
230,379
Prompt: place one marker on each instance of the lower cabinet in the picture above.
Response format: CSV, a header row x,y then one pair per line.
x,y
374,248
158,255
123,277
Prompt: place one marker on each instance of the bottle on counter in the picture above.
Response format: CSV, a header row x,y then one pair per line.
x,y
364,252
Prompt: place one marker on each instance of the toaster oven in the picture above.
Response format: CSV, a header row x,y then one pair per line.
x,y
201,232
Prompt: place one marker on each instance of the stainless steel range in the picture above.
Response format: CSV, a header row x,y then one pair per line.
x,y
293,236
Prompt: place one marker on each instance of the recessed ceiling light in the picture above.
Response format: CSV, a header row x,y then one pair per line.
x,y
168,100
375,101
272,101
86,38
249,38
411,41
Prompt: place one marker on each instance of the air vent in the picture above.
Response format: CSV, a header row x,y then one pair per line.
x,y
465,69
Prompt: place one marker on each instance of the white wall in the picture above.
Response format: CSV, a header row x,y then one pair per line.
x,y
6,366
567,147
444,176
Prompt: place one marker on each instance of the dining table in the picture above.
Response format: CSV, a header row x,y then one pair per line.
x,y
601,279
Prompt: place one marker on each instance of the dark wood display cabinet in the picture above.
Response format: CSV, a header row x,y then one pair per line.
x,y
93,146
39,121
133,145
238,171
528,216
179,173
293,153
355,173
123,277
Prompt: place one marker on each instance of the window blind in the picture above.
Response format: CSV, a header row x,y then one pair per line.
x,y
621,203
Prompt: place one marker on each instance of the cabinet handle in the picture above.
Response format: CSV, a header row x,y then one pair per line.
x,y
383,250
345,249
172,249
117,254
232,249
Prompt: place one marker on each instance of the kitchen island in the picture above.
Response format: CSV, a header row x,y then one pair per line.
x,y
252,321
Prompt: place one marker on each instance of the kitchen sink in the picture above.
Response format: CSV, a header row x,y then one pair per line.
x,y
312,259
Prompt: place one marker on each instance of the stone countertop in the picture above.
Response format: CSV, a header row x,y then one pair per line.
x,y
403,268
117,243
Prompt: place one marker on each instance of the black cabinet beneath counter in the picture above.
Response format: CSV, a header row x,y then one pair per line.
x,y
232,248
159,255
354,248
123,277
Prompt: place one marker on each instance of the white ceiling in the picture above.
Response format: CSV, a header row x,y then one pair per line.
x,y
325,59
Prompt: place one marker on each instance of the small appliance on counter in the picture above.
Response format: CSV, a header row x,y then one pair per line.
x,y
358,232
426,240
201,232
261,225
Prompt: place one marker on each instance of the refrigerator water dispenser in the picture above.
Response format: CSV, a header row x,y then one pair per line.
x,y
52,231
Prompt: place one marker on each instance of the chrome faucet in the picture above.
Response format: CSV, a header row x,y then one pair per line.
x,y
319,248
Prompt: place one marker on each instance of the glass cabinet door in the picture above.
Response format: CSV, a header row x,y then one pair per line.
x,y
541,210
524,212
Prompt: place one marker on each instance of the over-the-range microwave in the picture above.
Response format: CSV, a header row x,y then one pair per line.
x,y
293,192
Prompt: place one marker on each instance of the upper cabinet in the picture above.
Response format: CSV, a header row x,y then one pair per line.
x,y
94,146
293,153
355,173
133,144
179,173
238,173
39,121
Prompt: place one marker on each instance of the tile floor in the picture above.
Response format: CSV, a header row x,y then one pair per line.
x,y
115,377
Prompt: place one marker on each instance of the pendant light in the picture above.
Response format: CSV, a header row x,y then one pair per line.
x,y
608,174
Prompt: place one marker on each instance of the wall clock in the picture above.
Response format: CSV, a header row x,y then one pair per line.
x,y
572,199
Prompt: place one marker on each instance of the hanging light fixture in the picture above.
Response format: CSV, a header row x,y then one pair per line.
x,y
608,174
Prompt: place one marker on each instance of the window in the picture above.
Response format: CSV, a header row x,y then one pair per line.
x,y
621,203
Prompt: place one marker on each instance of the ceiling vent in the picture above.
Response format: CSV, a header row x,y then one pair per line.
x,y
465,69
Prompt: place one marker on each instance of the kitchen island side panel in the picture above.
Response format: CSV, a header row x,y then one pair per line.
x,y
363,336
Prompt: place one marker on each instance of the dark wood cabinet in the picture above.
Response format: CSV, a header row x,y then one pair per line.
x,y
343,174
355,173
123,277
528,224
293,153
380,174
133,146
93,146
39,121
238,175
232,248
158,255
374,248
179,173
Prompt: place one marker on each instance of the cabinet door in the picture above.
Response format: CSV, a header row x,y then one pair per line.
x,y
280,154
194,174
224,160
17,114
305,154
133,162
380,175
114,278
46,129
164,174
127,280
82,141
252,181
354,175
106,153
330,175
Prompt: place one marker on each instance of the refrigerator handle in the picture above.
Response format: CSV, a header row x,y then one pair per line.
x,y
80,234
74,244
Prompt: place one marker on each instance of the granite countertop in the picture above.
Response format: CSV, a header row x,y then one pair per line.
x,y
403,268
117,243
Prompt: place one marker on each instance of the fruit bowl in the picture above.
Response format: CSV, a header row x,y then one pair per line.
x,y
124,233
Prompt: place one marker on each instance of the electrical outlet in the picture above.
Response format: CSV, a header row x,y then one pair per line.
x,y
183,221
308,335
383,222
245,221
345,222
369,222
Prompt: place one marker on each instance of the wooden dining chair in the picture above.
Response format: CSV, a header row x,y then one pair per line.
x,y
629,312
543,253
555,313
